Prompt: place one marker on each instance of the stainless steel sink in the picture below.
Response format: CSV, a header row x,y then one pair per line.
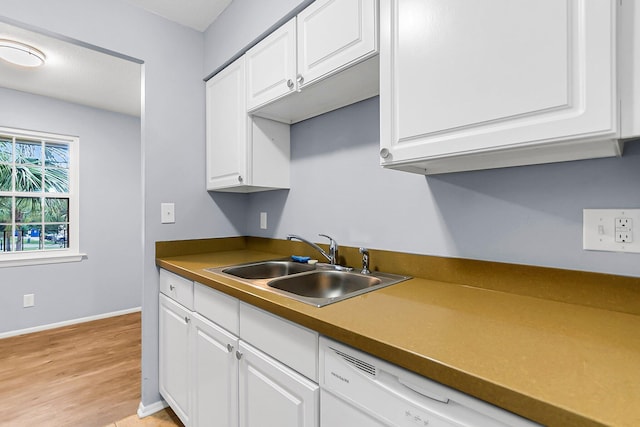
x,y
323,287
324,284
317,285
267,269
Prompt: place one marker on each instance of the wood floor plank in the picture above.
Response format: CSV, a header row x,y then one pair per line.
x,y
80,375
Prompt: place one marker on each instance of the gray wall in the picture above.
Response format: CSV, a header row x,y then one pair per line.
x,y
526,215
109,236
173,130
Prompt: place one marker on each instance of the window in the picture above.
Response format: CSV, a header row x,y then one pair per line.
x,y
38,198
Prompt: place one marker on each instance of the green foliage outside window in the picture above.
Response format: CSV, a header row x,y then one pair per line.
x,y
34,201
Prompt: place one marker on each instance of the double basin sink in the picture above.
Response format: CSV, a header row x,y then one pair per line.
x,y
318,285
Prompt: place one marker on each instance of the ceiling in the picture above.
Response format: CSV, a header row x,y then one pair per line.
x,y
197,14
74,73
84,75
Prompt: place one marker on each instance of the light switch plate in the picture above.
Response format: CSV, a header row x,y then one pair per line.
x,y
613,230
167,213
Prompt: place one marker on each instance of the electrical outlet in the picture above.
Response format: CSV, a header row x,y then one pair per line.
x,y
623,223
28,300
263,220
624,230
624,237
610,230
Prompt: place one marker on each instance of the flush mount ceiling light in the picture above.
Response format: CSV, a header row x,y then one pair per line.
x,y
20,53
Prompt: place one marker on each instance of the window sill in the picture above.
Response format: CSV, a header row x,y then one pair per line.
x,y
20,260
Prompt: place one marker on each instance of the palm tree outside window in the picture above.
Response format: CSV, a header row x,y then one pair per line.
x,y
36,193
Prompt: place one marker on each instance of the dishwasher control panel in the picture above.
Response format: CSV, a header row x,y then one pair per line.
x,y
415,418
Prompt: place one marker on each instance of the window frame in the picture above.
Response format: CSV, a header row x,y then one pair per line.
x,y
72,252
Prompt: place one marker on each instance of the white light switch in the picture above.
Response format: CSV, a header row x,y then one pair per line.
x,y
611,230
167,213
263,220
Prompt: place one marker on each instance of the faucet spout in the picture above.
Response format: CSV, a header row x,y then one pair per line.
x,y
332,256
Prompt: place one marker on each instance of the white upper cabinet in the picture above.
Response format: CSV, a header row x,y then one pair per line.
x,y
227,127
323,59
629,71
474,85
271,66
243,154
333,34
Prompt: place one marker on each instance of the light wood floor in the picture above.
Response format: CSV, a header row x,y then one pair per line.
x,y
80,375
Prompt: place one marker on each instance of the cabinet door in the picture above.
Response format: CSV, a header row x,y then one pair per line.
x,y
629,63
273,395
462,76
174,328
215,375
333,34
271,66
227,124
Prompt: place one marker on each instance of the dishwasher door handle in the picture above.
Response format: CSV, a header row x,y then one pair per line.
x,y
423,392
404,387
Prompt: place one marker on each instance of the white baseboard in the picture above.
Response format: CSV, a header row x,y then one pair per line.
x,y
68,322
146,410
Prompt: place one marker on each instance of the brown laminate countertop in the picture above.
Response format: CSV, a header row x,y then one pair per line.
x,y
556,363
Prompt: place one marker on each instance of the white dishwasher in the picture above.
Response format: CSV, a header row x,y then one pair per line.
x,y
360,390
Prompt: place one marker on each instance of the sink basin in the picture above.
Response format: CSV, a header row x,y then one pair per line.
x,y
324,284
318,285
267,269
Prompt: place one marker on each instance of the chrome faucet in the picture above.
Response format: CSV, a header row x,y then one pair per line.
x,y
365,261
332,256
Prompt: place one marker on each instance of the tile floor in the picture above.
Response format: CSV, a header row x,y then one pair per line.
x,y
164,418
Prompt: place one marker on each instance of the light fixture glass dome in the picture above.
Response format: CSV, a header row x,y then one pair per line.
x,y
20,53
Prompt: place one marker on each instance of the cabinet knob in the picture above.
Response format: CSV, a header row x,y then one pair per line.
x,y
171,287
187,319
239,178
300,80
229,348
290,84
384,153
238,355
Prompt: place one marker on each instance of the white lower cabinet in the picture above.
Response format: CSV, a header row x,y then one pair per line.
x,y
274,395
214,375
211,377
234,383
174,328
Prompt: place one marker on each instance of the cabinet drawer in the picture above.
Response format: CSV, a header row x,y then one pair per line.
x,y
218,307
177,288
291,344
